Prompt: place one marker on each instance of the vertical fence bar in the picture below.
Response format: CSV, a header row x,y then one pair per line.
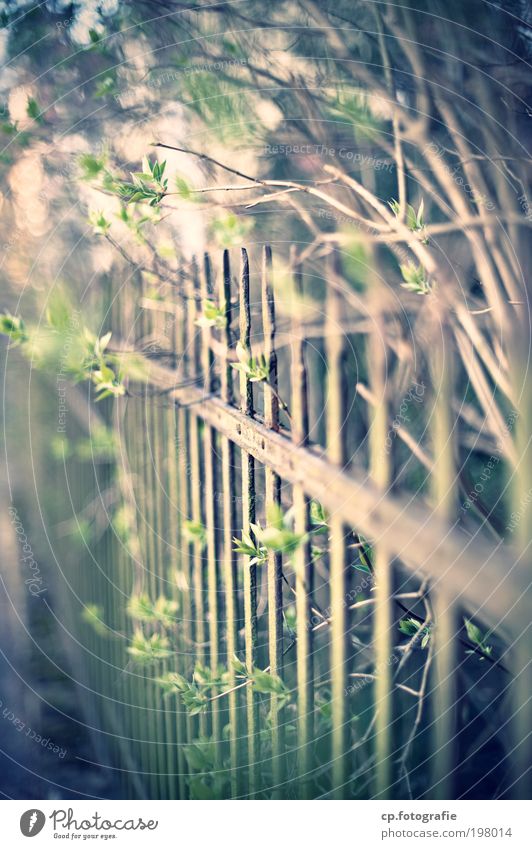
x,y
272,495
136,546
521,504
335,350
302,556
379,464
138,455
149,489
173,545
443,482
137,555
124,542
154,415
229,522
196,488
248,518
165,725
212,524
184,499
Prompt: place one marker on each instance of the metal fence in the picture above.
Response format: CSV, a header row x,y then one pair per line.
x,y
355,613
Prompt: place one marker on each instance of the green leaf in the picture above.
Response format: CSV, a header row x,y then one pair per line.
x,y
105,87
230,230
477,637
200,755
172,682
420,220
195,532
183,188
202,674
258,553
33,110
140,607
473,632
412,626
165,610
99,223
145,650
278,536
415,278
91,166
239,667
14,327
318,518
212,316
394,206
409,626
92,614
264,682
255,368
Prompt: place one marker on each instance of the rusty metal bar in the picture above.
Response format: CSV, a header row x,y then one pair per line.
x,y
196,487
185,328
335,439
303,555
443,482
379,465
179,735
212,523
229,524
272,497
248,518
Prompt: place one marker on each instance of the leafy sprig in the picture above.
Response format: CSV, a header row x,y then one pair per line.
x,y
14,327
195,532
415,221
143,609
212,316
256,368
415,278
478,639
145,650
246,545
148,185
278,535
411,626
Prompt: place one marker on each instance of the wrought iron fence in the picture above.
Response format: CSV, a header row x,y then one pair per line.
x,y
318,616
